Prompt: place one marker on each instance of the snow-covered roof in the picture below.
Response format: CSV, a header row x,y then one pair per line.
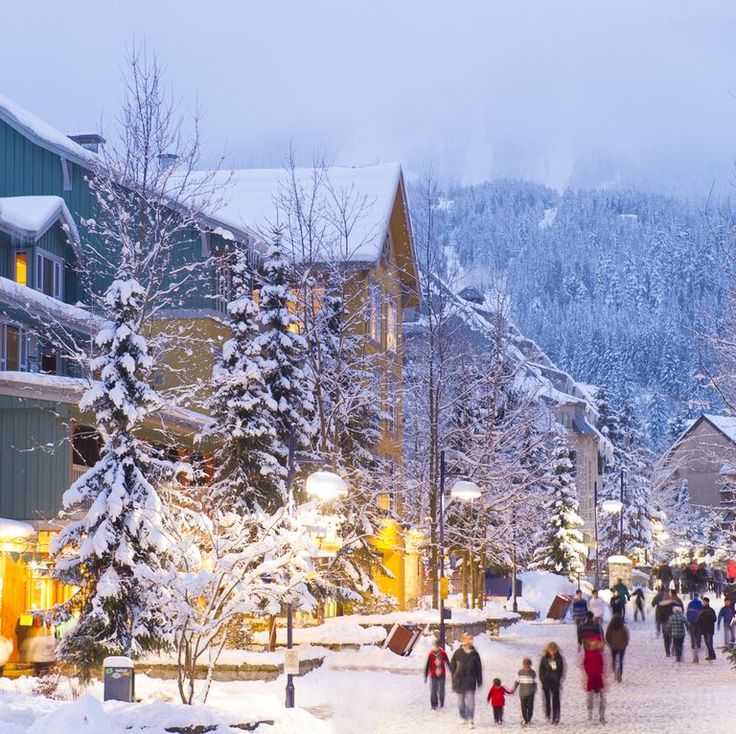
x,y
250,199
45,307
726,424
14,529
62,389
30,217
41,133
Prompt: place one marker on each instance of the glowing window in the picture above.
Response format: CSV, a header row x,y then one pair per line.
x,y
21,268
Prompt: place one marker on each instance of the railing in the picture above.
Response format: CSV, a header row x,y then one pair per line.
x,y
77,471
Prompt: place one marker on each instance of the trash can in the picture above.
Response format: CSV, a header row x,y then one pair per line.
x,y
119,677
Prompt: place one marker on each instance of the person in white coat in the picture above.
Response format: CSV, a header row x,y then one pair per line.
x,y
597,606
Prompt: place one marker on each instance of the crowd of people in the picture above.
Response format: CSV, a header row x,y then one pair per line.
x,y
674,621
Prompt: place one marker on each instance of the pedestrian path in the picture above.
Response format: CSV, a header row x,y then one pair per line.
x,y
656,693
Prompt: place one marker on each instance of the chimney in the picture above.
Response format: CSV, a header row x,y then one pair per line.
x,y
167,160
90,141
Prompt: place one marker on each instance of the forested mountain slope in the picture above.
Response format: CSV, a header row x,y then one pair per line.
x,y
611,283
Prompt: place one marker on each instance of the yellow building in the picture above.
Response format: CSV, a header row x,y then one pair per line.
x,y
358,218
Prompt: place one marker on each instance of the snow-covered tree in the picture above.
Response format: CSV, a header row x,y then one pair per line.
x,y
115,550
284,351
116,543
562,550
249,471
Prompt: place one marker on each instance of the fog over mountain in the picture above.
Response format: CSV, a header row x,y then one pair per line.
x,y
595,95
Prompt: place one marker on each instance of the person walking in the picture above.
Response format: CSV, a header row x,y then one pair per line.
x,y
705,626
693,610
593,667
664,611
677,577
551,673
658,598
579,614
526,682
467,675
718,581
436,670
665,575
618,603
726,616
497,699
597,606
617,637
638,596
677,626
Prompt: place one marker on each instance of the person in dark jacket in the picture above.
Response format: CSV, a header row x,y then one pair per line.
x,y
617,637
436,670
665,575
726,616
694,607
551,672
579,613
467,675
618,603
664,612
638,596
658,598
591,626
705,626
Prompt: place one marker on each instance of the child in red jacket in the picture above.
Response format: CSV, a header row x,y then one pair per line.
x,y
436,670
497,698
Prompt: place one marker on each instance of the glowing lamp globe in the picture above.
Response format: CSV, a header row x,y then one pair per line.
x,y
326,486
613,507
464,489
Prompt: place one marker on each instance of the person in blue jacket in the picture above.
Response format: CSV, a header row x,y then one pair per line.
x,y
726,616
579,614
694,607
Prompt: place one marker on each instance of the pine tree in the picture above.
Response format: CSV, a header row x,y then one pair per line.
x,y
115,550
562,551
248,469
283,353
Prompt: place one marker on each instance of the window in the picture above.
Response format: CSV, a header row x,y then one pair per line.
x,y
392,325
21,268
14,343
391,405
49,275
223,287
374,316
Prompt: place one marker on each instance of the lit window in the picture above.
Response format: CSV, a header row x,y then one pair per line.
x,y
14,343
374,294
49,275
392,326
21,268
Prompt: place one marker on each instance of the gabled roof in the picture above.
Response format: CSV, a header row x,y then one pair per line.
x,y
30,217
724,424
250,200
41,133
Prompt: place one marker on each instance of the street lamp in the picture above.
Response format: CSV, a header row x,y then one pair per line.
x,y
324,486
464,490
611,507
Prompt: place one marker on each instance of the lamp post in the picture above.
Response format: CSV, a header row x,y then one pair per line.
x,y
325,486
464,490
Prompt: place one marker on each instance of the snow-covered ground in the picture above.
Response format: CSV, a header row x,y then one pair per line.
x,y
373,691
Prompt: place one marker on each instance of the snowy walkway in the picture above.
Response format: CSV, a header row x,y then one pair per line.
x,y
656,694
373,691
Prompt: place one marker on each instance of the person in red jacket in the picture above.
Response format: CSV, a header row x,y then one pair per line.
x,y
436,670
593,667
497,699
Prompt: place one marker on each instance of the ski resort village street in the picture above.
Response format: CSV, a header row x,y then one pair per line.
x,y
367,367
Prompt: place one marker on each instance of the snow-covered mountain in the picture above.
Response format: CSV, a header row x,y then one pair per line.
x,y
612,284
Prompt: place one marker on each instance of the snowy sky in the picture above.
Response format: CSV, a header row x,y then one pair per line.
x,y
611,92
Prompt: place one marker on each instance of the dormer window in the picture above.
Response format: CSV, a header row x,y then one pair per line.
x,y
21,268
49,275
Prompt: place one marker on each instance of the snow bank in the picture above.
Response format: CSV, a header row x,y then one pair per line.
x,y
337,631
12,529
541,587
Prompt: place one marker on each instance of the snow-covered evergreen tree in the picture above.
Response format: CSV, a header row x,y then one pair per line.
x,y
118,546
283,352
249,472
562,550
